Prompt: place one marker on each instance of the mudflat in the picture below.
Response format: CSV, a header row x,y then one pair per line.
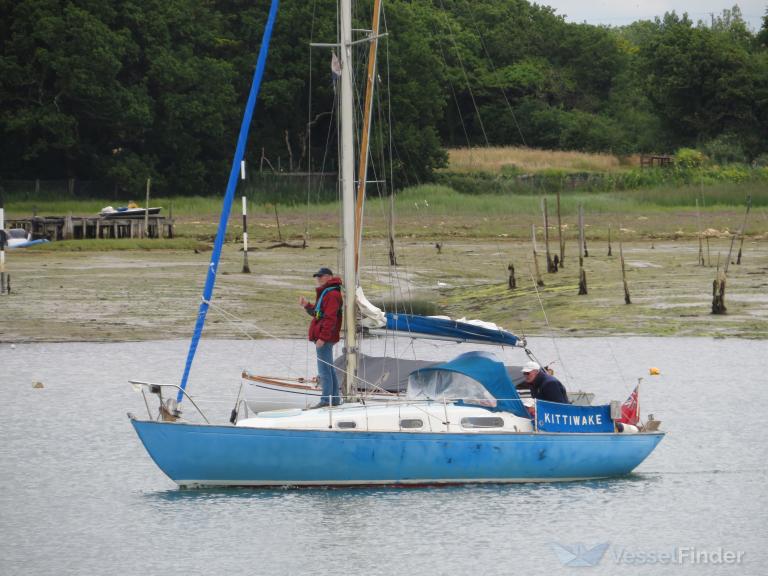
x,y
60,296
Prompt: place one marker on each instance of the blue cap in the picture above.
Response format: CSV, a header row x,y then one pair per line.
x,y
322,272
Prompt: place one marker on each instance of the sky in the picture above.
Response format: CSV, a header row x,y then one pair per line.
x,y
621,12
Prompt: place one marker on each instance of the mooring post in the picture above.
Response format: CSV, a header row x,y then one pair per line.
x,y
146,209
610,250
627,299
701,245
2,245
560,238
743,228
539,281
551,267
277,219
246,268
512,281
170,220
391,229
582,249
718,289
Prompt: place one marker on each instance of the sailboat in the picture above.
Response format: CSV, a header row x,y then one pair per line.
x,y
459,421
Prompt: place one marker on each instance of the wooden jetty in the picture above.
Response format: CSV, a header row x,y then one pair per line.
x,y
97,227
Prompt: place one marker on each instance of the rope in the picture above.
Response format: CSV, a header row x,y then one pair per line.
x,y
549,327
236,321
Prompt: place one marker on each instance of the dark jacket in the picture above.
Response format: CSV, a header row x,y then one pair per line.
x,y
326,322
549,388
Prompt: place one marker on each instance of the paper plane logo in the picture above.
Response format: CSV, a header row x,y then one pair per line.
x,y
579,555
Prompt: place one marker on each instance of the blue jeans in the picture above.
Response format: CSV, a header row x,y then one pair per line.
x,y
327,375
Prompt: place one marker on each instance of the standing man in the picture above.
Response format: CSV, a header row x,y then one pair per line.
x,y
324,331
543,385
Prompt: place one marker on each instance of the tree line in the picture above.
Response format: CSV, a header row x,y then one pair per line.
x,y
118,91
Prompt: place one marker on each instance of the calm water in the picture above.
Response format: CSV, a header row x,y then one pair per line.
x,y
78,494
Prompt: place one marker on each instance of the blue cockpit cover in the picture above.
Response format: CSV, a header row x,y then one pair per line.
x,y
446,328
489,371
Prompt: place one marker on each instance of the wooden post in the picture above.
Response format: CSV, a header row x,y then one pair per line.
x,y
391,229
718,291
609,242
2,245
146,209
246,268
701,234
512,281
583,233
539,281
627,299
560,238
277,219
550,264
68,231
718,284
170,221
743,228
582,273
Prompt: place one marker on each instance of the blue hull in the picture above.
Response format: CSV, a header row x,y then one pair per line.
x,y
208,455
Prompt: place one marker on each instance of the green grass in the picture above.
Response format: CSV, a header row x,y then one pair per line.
x,y
92,245
438,211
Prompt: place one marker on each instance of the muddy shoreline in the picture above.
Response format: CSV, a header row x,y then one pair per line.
x,y
154,295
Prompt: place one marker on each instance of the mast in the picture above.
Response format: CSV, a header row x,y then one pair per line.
x,y
347,164
362,170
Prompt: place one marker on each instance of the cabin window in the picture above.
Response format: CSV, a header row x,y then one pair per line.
x,y
482,422
346,424
446,385
411,423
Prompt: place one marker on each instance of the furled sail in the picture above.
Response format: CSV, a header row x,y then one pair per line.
x,y
242,139
439,327
442,327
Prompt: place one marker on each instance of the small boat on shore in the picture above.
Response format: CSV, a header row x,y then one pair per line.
x,y
19,238
126,212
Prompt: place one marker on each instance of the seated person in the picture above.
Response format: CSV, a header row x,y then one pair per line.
x,y
543,385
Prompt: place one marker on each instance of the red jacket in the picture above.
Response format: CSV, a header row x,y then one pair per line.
x,y
327,326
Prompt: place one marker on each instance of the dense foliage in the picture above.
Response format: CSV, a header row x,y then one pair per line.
x,y
119,91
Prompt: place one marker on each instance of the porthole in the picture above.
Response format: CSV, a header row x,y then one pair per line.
x,y
411,423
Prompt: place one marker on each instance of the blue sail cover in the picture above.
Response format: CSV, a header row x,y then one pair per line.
x,y
489,371
446,328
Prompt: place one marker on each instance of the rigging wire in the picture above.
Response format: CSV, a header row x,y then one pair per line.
x,y
549,327
466,76
493,69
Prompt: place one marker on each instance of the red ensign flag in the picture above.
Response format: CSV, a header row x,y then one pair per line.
x,y
630,410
